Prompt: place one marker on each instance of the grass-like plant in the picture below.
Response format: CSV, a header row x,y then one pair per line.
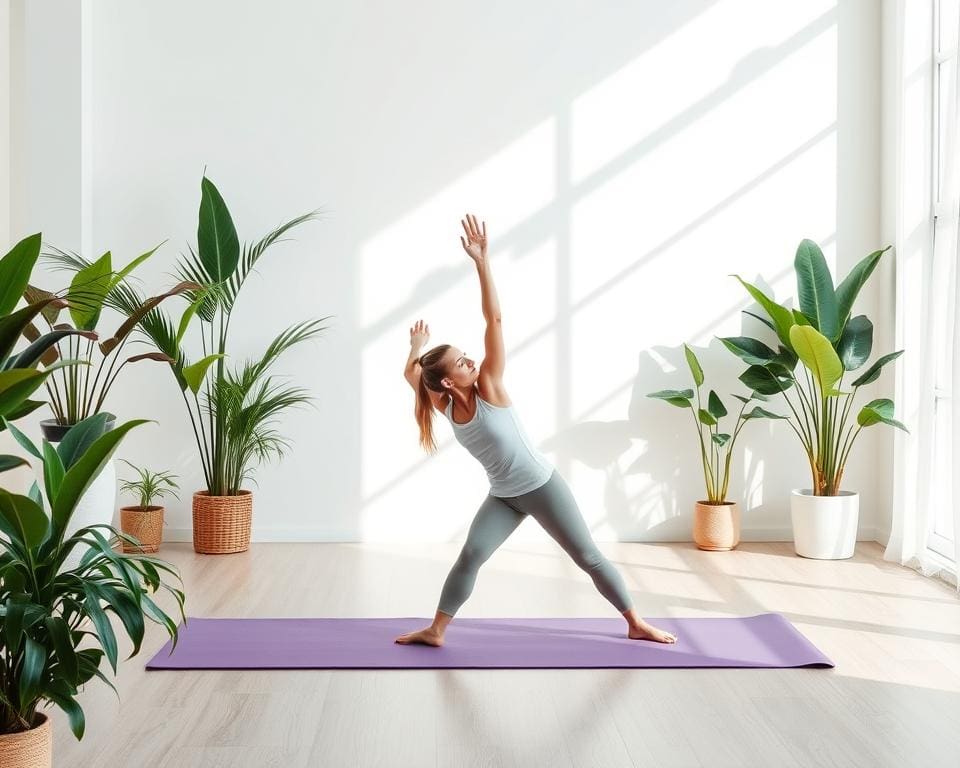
x,y
149,486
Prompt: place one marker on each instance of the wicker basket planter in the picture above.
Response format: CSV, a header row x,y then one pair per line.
x,y
716,526
145,524
221,524
28,749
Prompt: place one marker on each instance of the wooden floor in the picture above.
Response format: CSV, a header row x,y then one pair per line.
x,y
892,700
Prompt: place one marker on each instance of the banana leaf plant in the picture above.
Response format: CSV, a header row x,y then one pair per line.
x,y
232,411
74,397
19,375
830,342
716,447
44,605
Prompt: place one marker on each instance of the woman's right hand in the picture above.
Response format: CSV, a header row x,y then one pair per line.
x,y
476,243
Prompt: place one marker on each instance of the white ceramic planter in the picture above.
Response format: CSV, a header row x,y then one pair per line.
x,y
824,527
97,505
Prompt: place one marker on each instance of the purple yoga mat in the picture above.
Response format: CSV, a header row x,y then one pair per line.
x,y
766,640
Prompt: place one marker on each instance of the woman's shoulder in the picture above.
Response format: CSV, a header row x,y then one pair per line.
x,y
494,395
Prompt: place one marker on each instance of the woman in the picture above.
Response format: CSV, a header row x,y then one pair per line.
x,y
522,480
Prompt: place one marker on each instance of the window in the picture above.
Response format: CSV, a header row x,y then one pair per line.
x,y
946,491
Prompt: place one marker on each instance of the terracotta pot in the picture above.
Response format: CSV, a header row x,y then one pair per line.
x,y
145,524
28,749
716,527
221,524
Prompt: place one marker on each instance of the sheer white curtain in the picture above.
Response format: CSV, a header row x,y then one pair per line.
x,y
927,325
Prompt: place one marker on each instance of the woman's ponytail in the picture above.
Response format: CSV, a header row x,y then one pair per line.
x,y
424,413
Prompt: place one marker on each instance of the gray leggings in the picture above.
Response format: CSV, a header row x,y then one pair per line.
x,y
553,506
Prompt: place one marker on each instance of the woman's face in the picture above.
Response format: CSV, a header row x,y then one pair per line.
x,y
461,369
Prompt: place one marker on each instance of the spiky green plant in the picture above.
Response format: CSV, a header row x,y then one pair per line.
x,y
149,486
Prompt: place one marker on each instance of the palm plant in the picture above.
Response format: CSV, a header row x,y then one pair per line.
x,y
716,451
149,485
829,342
74,397
232,412
44,605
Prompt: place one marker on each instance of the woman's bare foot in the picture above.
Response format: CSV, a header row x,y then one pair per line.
x,y
644,631
427,636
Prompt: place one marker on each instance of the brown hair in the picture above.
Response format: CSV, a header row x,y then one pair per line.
x,y
431,373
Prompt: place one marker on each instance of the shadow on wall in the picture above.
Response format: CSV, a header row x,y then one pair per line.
x,y
670,462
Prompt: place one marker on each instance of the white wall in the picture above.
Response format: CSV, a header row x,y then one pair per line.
x,y
627,159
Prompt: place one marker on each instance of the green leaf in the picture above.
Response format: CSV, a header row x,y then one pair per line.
x,y
187,316
133,265
22,519
694,364
82,473
80,437
879,411
850,286
27,406
8,462
12,625
105,633
53,470
194,374
873,372
856,342
75,714
762,380
15,269
721,439
217,243
63,646
761,413
34,659
781,316
817,353
16,386
706,417
749,350
13,325
715,406
818,302
678,397
800,319
23,440
88,289
34,494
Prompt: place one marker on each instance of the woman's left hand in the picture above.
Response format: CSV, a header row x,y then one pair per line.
x,y
419,334
476,243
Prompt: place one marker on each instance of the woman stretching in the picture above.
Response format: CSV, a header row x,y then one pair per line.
x,y
522,480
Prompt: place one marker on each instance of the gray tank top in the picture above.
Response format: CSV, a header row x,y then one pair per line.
x,y
496,438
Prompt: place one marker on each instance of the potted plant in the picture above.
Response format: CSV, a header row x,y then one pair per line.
x,y
144,520
716,521
232,411
74,395
830,343
44,604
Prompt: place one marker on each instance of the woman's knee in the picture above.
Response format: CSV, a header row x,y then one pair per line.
x,y
589,559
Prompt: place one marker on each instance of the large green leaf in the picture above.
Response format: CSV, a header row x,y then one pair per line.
x,y
88,289
53,470
850,286
80,437
715,406
59,633
17,385
678,397
101,623
762,413
31,673
818,302
82,473
22,519
877,411
856,342
42,345
694,364
15,269
749,350
873,372
817,353
761,379
781,316
194,374
217,243
25,442
706,417
12,326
